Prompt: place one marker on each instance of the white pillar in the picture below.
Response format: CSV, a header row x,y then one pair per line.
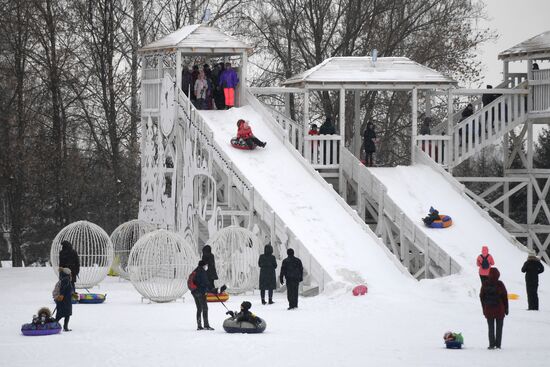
x,y
414,123
449,150
242,80
342,128
505,72
178,70
529,78
357,123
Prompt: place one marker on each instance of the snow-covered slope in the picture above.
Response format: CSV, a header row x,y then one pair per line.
x,y
340,244
416,188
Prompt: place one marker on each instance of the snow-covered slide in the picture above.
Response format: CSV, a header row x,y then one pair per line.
x,y
415,188
343,246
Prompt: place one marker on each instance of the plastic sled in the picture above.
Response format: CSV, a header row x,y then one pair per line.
x,y
213,297
92,298
48,328
444,221
453,344
360,290
241,144
231,325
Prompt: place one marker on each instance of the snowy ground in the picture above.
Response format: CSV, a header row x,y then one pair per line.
x,y
374,330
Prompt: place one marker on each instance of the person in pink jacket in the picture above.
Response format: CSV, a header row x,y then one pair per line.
x,y
484,262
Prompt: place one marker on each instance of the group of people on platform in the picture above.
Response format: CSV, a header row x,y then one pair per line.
x,y
210,89
494,296
292,273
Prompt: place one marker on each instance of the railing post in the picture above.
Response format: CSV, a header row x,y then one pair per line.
x,y
450,128
414,124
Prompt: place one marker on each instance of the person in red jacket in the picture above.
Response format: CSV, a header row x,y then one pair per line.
x,y
245,132
484,263
494,300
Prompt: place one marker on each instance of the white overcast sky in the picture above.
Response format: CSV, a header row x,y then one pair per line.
x,y
514,21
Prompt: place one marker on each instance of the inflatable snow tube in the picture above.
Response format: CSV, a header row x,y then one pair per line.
x,y
444,221
48,328
75,298
213,297
92,298
241,144
360,290
453,344
231,325
513,296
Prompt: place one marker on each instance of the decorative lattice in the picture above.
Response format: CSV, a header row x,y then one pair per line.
x,y
124,238
94,249
159,265
237,251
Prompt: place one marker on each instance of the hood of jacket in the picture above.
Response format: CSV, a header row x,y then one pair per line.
x,y
484,250
268,250
207,250
494,274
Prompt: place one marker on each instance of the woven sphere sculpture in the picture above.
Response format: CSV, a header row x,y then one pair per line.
x,y
94,248
236,250
124,237
159,265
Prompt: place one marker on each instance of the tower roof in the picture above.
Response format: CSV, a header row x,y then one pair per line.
x,y
198,39
537,47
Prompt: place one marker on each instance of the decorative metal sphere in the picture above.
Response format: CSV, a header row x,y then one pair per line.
x,y
94,249
124,238
159,265
237,251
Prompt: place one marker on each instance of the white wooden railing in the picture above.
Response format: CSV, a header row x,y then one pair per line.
x,y
411,242
435,146
514,81
258,206
541,90
294,131
322,151
488,124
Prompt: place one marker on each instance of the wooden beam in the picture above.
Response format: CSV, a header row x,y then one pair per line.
x,y
276,90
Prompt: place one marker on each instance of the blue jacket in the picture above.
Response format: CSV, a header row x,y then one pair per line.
x,y
228,79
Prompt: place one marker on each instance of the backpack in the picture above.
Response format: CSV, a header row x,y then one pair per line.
x,y
56,293
490,296
191,281
485,262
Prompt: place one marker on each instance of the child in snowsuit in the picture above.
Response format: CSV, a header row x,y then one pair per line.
x,y
245,314
484,263
44,316
433,215
245,132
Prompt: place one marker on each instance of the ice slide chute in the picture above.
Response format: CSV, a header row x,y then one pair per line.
x,y
335,245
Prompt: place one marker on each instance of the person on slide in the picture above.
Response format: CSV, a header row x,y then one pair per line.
x,y
245,132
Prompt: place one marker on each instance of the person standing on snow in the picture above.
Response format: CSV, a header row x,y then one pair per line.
x,y
532,268
494,301
208,258
63,301
484,263
228,81
268,277
68,258
199,295
293,271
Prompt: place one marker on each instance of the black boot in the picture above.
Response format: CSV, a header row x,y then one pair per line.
x,y
199,325
263,301
206,324
271,301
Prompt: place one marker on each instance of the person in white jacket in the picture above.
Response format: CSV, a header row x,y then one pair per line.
x,y
201,90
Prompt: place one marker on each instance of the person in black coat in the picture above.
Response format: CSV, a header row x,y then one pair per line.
x,y
268,277
532,268
64,306
369,137
293,271
199,295
245,315
68,258
327,129
208,258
